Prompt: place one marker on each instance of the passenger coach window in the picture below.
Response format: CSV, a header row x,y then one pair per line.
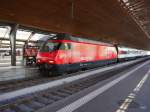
x,y
65,46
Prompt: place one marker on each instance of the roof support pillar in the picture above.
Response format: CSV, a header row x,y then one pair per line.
x,y
12,38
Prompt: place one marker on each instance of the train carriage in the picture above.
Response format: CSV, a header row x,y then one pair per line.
x,y
125,53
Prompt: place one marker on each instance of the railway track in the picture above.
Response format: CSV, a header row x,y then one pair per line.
x,y
38,100
27,82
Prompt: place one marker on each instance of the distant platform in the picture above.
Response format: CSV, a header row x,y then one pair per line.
x,y
6,61
17,72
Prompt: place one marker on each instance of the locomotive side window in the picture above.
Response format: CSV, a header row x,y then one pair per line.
x,y
49,46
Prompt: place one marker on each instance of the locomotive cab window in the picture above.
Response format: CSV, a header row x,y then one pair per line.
x,y
65,46
49,46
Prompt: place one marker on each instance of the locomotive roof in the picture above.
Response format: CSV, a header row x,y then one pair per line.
x,y
90,41
77,39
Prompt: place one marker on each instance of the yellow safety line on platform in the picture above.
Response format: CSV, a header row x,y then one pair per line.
x,y
124,106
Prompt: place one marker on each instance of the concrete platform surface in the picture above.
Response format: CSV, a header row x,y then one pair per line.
x,y
17,72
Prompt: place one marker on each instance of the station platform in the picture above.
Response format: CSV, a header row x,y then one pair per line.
x,y
8,73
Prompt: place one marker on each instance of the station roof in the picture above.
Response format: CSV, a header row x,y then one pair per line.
x,y
21,37
121,21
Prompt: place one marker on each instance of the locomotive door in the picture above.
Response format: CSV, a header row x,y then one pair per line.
x,y
69,57
74,59
66,55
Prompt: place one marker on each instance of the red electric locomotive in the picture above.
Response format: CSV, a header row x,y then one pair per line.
x,y
64,53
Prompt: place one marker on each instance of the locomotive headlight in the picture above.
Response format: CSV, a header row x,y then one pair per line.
x,y
38,60
51,61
